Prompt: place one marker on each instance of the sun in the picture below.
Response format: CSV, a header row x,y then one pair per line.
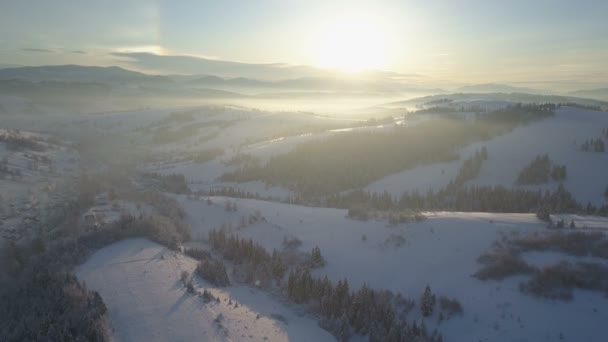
x,y
355,43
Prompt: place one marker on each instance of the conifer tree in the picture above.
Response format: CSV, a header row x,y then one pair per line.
x,y
427,302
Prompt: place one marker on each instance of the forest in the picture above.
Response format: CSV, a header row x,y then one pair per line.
x,y
354,159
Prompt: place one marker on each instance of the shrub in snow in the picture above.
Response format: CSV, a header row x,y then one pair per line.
x,y
558,281
500,264
291,243
450,306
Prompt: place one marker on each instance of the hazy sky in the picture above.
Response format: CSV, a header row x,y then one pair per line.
x,y
490,41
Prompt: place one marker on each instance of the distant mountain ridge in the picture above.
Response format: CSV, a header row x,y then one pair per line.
x,y
79,73
598,93
495,88
370,82
455,98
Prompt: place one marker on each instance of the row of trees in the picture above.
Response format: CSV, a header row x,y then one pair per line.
x,y
452,197
471,198
228,191
594,145
175,183
581,106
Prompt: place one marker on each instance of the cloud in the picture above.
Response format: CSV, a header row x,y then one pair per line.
x,y
79,52
38,50
188,65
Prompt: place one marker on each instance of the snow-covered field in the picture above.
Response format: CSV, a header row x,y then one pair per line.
x,y
139,280
140,284
440,251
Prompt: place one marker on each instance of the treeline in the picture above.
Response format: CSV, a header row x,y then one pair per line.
x,y
363,204
228,191
521,113
354,159
581,106
206,155
175,183
540,170
593,145
451,198
471,198
378,314
439,110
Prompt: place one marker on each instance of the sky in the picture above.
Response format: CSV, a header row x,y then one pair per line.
x,y
464,40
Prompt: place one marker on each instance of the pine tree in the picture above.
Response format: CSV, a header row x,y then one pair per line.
x,y
427,302
484,153
343,329
317,259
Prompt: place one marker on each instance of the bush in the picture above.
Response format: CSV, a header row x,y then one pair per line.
x,y
543,215
558,281
450,306
358,213
198,254
572,243
291,243
185,276
501,264
206,296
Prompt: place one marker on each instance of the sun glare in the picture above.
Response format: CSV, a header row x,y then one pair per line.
x,y
352,44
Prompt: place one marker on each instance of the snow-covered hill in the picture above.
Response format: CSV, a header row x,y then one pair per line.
x,y
140,284
559,136
441,251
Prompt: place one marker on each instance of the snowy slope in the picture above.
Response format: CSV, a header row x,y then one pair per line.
x,y
140,284
440,251
559,136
